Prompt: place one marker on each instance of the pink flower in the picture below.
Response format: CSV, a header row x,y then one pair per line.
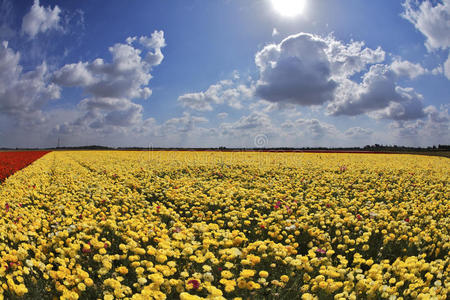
x,y
321,251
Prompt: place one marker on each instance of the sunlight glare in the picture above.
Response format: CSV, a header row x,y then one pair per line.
x,y
289,8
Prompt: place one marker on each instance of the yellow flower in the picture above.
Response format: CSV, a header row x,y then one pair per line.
x,y
263,274
122,270
226,274
246,273
88,281
187,296
81,286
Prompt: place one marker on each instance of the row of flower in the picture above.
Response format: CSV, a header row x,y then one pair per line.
x,y
12,161
191,225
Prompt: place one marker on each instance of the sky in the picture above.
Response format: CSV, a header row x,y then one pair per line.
x,y
232,73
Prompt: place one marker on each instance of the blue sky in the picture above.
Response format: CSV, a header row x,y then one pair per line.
x,y
224,73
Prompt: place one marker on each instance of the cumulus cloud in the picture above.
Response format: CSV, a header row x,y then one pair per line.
x,y
23,95
447,67
434,129
127,76
41,19
183,124
404,68
113,85
74,75
411,109
295,71
348,59
306,69
254,123
316,129
358,132
223,92
433,21
378,93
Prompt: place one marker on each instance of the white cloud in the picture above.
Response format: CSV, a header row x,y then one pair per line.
x,y
155,41
306,69
223,92
126,116
125,77
309,70
183,124
377,93
275,32
267,106
433,21
447,67
113,85
41,19
295,71
348,59
74,75
316,129
411,109
222,115
23,95
404,68
254,123
358,132
435,129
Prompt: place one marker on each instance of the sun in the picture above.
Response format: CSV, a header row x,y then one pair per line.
x,y
289,8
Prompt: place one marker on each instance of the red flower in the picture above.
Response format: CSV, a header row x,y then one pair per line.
x,y
195,283
11,162
407,219
358,216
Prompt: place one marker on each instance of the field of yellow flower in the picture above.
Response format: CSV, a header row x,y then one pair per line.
x,y
217,225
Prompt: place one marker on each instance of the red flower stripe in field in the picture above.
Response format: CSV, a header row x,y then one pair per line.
x,y
11,162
